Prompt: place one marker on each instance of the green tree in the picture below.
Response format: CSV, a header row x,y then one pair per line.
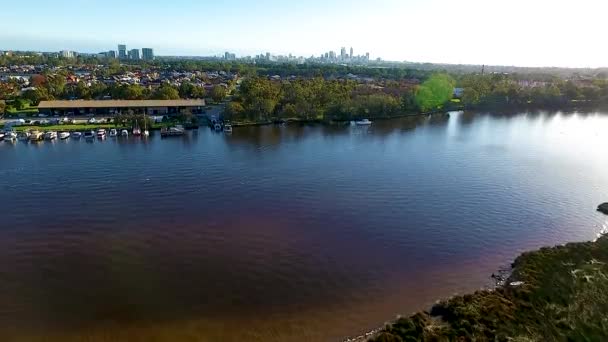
x,y
166,92
435,92
218,93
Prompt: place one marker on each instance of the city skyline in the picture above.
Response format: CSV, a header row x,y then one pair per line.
x,y
436,31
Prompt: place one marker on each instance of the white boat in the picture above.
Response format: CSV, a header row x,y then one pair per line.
x,y
228,128
113,133
10,135
124,133
146,132
89,135
364,122
101,133
23,136
1,136
76,135
36,136
217,127
50,135
64,135
172,131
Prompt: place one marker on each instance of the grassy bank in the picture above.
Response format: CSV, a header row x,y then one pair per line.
x,y
564,297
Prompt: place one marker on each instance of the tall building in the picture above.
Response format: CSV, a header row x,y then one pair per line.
x,y
332,55
122,51
343,53
351,52
67,54
147,54
367,56
134,54
111,54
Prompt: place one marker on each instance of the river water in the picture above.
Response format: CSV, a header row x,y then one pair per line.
x,y
296,233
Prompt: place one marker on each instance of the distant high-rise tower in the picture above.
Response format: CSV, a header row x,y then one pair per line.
x,y
122,51
147,54
343,53
134,54
351,52
367,56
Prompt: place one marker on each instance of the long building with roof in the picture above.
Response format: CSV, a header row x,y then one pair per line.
x,y
115,107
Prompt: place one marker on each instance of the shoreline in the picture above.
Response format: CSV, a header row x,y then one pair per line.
x,y
558,280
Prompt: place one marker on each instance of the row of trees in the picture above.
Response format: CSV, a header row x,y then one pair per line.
x,y
506,90
260,99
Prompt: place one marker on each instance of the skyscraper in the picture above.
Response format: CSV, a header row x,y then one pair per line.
x,y
351,52
367,56
134,54
122,51
111,54
147,54
343,53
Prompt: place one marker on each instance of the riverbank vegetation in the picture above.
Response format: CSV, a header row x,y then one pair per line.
x,y
554,294
261,99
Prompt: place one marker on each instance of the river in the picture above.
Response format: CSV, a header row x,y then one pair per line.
x,y
295,233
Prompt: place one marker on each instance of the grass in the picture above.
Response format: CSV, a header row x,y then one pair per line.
x,y
564,297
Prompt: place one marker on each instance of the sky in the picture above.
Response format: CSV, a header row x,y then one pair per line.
x,y
563,33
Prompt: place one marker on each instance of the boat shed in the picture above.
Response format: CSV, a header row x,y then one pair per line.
x,y
115,107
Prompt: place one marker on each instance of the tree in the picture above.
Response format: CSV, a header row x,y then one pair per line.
x,y
166,92
20,104
218,93
434,92
2,108
234,110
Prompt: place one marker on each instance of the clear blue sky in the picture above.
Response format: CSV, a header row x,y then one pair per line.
x,y
515,32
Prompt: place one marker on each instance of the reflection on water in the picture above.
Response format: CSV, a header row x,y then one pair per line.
x,y
292,233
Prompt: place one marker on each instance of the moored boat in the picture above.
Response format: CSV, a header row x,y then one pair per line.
x,y
50,135
101,133
172,131
113,133
89,135
64,135
228,128
36,136
364,122
10,135
76,135
23,136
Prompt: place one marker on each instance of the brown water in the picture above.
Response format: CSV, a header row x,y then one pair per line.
x,y
284,233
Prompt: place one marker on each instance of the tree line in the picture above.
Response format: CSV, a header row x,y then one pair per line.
x,y
512,91
261,99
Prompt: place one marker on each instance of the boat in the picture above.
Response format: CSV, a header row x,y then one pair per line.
x,y
172,131
76,135
1,136
146,132
136,129
64,135
36,136
217,127
50,135
23,136
101,133
10,135
364,122
124,133
228,128
113,133
89,135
